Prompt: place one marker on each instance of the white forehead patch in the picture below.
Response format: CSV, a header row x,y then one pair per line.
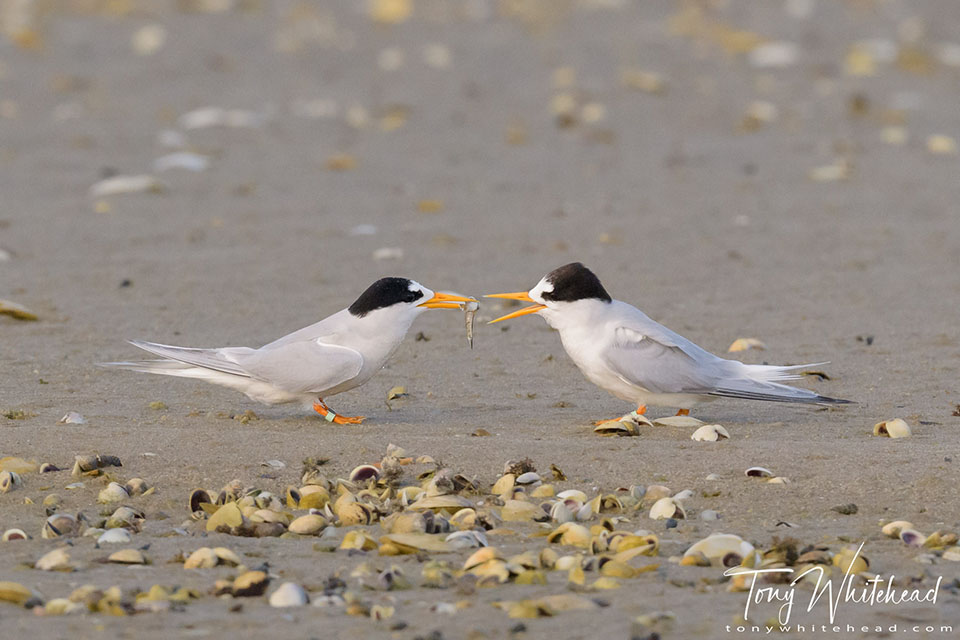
x,y
544,286
415,286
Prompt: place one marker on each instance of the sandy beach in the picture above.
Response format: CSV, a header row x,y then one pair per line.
x,y
784,171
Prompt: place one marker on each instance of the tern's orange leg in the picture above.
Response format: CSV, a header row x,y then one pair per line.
x,y
331,416
683,412
642,409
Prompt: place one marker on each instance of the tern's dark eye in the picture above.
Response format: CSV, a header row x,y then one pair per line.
x,y
383,293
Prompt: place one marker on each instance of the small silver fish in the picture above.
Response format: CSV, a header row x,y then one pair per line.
x,y
469,312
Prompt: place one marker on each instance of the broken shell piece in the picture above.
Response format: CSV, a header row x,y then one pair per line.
x,y
16,311
710,433
10,480
725,550
893,529
289,594
251,583
60,525
219,117
362,474
912,538
227,516
570,533
115,536
126,184
759,472
896,428
113,492
677,421
127,556
83,464
530,478
617,428
15,534
667,508
56,560
467,539
72,417
850,561
778,480
136,486
406,543
743,344
520,511
14,592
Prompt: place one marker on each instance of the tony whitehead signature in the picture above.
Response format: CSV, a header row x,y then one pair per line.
x,y
876,590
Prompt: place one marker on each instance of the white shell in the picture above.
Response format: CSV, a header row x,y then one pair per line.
x,y
72,417
677,421
289,594
710,433
573,494
759,472
115,536
530,477
666,508
561,513
113,492
467,539
724,549
125,184
55,560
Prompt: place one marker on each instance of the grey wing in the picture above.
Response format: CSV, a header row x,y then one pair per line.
x,y
646,362
307,366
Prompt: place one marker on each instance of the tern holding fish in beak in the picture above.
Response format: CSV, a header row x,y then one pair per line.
x,y
620,349
339,353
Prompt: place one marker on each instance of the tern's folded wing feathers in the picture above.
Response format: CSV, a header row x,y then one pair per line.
x,y
646,362
223,360
307,366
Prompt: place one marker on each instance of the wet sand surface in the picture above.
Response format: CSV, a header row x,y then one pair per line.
x,y
489,143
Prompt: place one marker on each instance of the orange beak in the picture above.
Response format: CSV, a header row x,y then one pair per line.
x,y
445,301
521,295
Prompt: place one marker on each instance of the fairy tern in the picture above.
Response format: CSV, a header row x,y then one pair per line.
x,y
339,353
621,350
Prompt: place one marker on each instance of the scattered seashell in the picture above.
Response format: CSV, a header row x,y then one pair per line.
x,y
839,170
570,533
15,593
363,473
122,184
16,311
113,492
15,534
60,525
896,428
912,538
744,344
308,525
56,560
127,556
677,421
148,39
360,540
289,594
722,550
617,428
72,417
778,480
759,472
942,145
202,558
206,117
228,516
646,81
467,539
388,253
665,508
10,480
136,487
251,583
850,561
710,433
520,511
186,160
83,464
115,536
774,55
404,543
893,529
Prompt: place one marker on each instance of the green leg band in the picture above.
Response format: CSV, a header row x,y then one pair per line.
x,y
330,416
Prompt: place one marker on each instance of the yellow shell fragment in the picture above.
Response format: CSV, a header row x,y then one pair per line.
x,y
127,556
744,344
16,311
570,533
14,592
850,561
414,542
710,433
893,529
228,516
896,428
520,511
357,539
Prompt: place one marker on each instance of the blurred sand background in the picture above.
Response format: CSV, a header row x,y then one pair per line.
x,y
778,170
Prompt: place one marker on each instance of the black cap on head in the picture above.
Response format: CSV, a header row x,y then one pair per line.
x,y
384,293
573,282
